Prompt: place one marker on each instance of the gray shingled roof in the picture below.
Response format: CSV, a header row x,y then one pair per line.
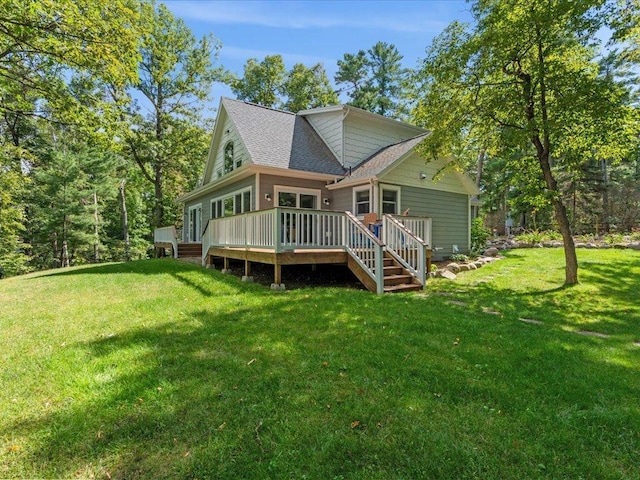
x,y
275,138
384,157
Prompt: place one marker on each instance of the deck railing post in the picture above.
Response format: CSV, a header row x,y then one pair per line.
x,y
277,235
379,268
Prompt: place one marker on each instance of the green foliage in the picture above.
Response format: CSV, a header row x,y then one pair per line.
x,y
374,79
268,83
176,75
262,81
479,235
523,84
459,257
174,371
538,236
306,88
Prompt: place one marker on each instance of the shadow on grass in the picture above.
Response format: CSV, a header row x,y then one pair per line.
x,y
327,383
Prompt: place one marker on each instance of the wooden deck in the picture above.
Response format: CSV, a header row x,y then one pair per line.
x,y
285,236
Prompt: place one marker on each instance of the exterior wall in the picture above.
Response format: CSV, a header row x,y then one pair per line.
x,y
267,183
364,136
342,199
449,213
409,173
239,152
205,200
329,127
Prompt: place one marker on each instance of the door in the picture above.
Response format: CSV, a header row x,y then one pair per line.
x,y
195,223
297,226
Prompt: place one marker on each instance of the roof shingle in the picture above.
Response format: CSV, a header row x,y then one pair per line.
x,y
276,138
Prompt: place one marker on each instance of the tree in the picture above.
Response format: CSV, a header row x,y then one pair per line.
x,y
176,74
524,80
307,87
262,81
374,79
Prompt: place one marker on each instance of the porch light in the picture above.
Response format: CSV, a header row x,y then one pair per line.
x,y
326,201
423,176
267,197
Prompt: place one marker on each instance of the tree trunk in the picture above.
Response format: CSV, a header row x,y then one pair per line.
x,y
570,257
125,222
606,207
96,232
159,210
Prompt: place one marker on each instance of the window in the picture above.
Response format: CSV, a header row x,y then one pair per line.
x,y
231,204
229,165
362,201
390,200
296,197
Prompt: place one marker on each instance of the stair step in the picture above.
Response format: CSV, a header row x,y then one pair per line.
x,y
403,287
397,279
189,250
392,270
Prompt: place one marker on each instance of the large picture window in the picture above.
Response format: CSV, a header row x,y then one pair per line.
x,y
297,197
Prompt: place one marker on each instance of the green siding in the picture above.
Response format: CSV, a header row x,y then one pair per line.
x,y
449,213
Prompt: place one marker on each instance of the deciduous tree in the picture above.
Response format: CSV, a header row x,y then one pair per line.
x,y
524,80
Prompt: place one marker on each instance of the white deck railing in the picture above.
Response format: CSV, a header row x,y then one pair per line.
x,y
419,226
281,229
409,249
167,235
365,248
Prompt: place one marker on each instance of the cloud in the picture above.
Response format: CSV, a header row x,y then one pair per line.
x,y
239,53
404,17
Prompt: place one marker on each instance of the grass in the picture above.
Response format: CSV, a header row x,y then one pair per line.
x,y
158,369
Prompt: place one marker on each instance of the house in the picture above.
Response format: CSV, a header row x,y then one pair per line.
x,y
283,188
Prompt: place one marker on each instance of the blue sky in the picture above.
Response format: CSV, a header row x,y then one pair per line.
x,y
316,31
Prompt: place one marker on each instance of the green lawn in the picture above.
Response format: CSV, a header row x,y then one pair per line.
x,y
159,369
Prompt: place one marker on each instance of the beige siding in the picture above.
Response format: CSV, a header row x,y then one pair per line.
x,y
408,173
364,136
239,151
267,183
329,126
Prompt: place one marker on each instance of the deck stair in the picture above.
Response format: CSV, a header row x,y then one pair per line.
x,y
397,278
189,250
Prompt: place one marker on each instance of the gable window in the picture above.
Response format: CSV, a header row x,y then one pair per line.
x,y
362,201
229,164
390,200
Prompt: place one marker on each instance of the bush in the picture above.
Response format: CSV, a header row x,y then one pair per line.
x,y
479,235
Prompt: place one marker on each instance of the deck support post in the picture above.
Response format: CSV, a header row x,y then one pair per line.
x,y
247,268
225,265
277,273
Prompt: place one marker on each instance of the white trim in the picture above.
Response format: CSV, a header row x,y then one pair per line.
x,y
354,205
198,230
297,190
396,188
232,195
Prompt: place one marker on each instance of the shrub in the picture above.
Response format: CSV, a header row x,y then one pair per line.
x,y
479,235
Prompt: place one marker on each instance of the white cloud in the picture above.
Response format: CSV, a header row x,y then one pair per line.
x,y
243,54
305,15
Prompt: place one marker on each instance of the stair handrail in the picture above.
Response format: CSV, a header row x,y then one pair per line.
x,y
365,248
406,247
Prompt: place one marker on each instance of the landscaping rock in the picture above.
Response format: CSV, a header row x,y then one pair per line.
x,y
447,274
453,267
491,252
